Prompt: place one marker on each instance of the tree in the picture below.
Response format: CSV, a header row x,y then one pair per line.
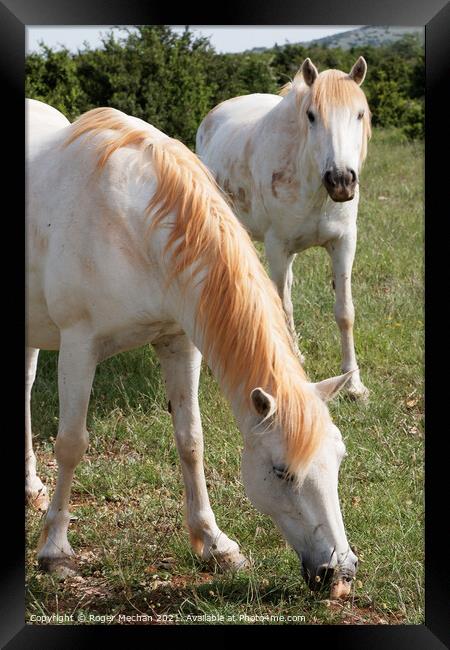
x,y
172,80
51,76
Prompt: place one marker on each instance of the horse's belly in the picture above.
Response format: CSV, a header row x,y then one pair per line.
x,y
41,331
43,337
134,336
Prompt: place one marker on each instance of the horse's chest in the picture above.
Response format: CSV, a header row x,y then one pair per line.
x,y
315,229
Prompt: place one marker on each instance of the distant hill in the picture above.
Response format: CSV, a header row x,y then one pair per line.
x,y
369,35
361,36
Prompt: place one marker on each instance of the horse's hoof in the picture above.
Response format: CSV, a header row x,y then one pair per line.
x,y
62,567
358,393
231,561
37,498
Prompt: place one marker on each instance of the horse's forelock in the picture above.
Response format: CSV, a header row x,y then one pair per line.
x,y
334,88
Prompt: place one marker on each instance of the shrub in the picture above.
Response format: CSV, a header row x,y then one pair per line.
x,y
173,80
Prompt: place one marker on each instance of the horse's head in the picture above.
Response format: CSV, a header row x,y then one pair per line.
x,y
336,117
303,504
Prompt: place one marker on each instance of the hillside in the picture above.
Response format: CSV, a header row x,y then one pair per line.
x,y
367,36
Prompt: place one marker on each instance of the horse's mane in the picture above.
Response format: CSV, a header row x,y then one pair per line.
x,y
331,88
284,90
244,332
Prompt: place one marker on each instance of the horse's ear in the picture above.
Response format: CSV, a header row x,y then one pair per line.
x,y
358,72
263,403
309,71
329,388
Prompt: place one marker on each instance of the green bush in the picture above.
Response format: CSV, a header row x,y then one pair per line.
x,y
173,80
52,77
414,119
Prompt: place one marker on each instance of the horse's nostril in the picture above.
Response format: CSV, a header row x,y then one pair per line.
x,y
329,180
305,570
324,574
352,175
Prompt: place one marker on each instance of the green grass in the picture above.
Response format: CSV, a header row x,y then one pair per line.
x,y
128,494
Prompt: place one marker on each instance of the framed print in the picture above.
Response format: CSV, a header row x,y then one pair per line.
x,y
259,137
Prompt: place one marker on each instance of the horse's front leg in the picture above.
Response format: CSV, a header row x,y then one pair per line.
x,y
280,267
76,367
180,363
35,490
342,253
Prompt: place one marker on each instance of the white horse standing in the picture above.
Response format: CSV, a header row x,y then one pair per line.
x,y
290,165
131,242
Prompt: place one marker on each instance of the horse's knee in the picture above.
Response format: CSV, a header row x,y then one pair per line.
x,y
70,446
344,315
190,445
345,322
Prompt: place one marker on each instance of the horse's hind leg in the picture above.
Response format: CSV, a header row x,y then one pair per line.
x,y
35,490
76,367
280,267
180,363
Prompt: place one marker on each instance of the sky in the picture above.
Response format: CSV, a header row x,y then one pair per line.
x,y
224,39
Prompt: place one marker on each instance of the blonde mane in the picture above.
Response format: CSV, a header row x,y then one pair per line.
x,y
331,88
242,322
284,90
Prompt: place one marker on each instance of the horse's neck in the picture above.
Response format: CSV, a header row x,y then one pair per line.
x,y
284,146
185,298
283,124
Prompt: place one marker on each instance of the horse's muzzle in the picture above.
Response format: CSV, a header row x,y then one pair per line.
x,y
340,184
336,581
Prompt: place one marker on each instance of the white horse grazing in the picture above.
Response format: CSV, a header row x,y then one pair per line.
x,y
290,165
131,242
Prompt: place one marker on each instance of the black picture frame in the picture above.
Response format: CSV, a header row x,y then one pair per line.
x,y
15,15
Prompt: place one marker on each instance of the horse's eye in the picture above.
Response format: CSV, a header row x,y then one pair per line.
x,y
281,472
310,115
360,115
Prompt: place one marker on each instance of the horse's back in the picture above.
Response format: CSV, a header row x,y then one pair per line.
x,y
38,110
42,121
232,118
87,254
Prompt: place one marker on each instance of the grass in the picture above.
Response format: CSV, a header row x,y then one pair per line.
x,y
134,553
